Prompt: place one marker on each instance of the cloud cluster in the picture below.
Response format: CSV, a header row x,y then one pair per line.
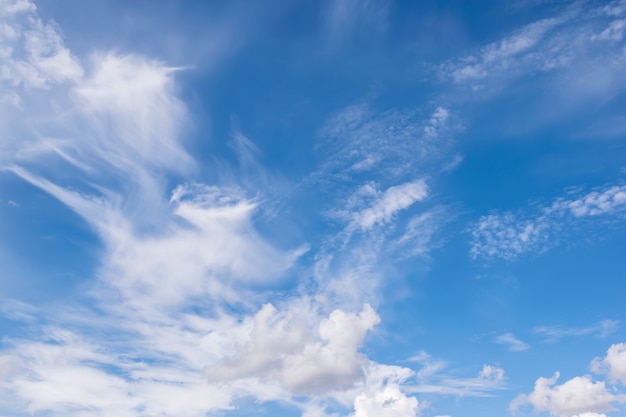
x,y
579,396
175,327
509,235
302,362
389,402
32,52
613,364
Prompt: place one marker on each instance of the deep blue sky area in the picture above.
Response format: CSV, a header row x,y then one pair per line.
x,y
338,208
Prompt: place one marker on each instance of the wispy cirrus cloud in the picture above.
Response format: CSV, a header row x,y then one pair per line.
x,y
513,54
175,325
359,140
513,343
561,42
435,377
509,235
379,166
576,54
600,330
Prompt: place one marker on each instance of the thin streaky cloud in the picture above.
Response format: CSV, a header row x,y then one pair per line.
x,y
513,343
601,330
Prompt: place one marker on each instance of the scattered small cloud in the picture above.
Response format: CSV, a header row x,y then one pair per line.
x,y
509,235
513,343
434,377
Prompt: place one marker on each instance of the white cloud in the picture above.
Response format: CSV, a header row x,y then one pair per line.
x,y
170,259
600,330
390,402
615,8
505,236
613,364
9,366
595,203
33,53
503,56
562,52
418,237
12,7
614,32
391,201
302,362
578,395
513,343
399,143
509,235
433,379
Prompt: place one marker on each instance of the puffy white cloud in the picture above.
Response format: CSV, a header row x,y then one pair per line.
x,y
613,364
513,343
578,395
282,348
389,402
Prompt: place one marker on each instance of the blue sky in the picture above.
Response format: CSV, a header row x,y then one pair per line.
x,y
343,208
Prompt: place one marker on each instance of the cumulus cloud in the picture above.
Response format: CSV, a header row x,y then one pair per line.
x,y
390,402
613,364
579,395
301,362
